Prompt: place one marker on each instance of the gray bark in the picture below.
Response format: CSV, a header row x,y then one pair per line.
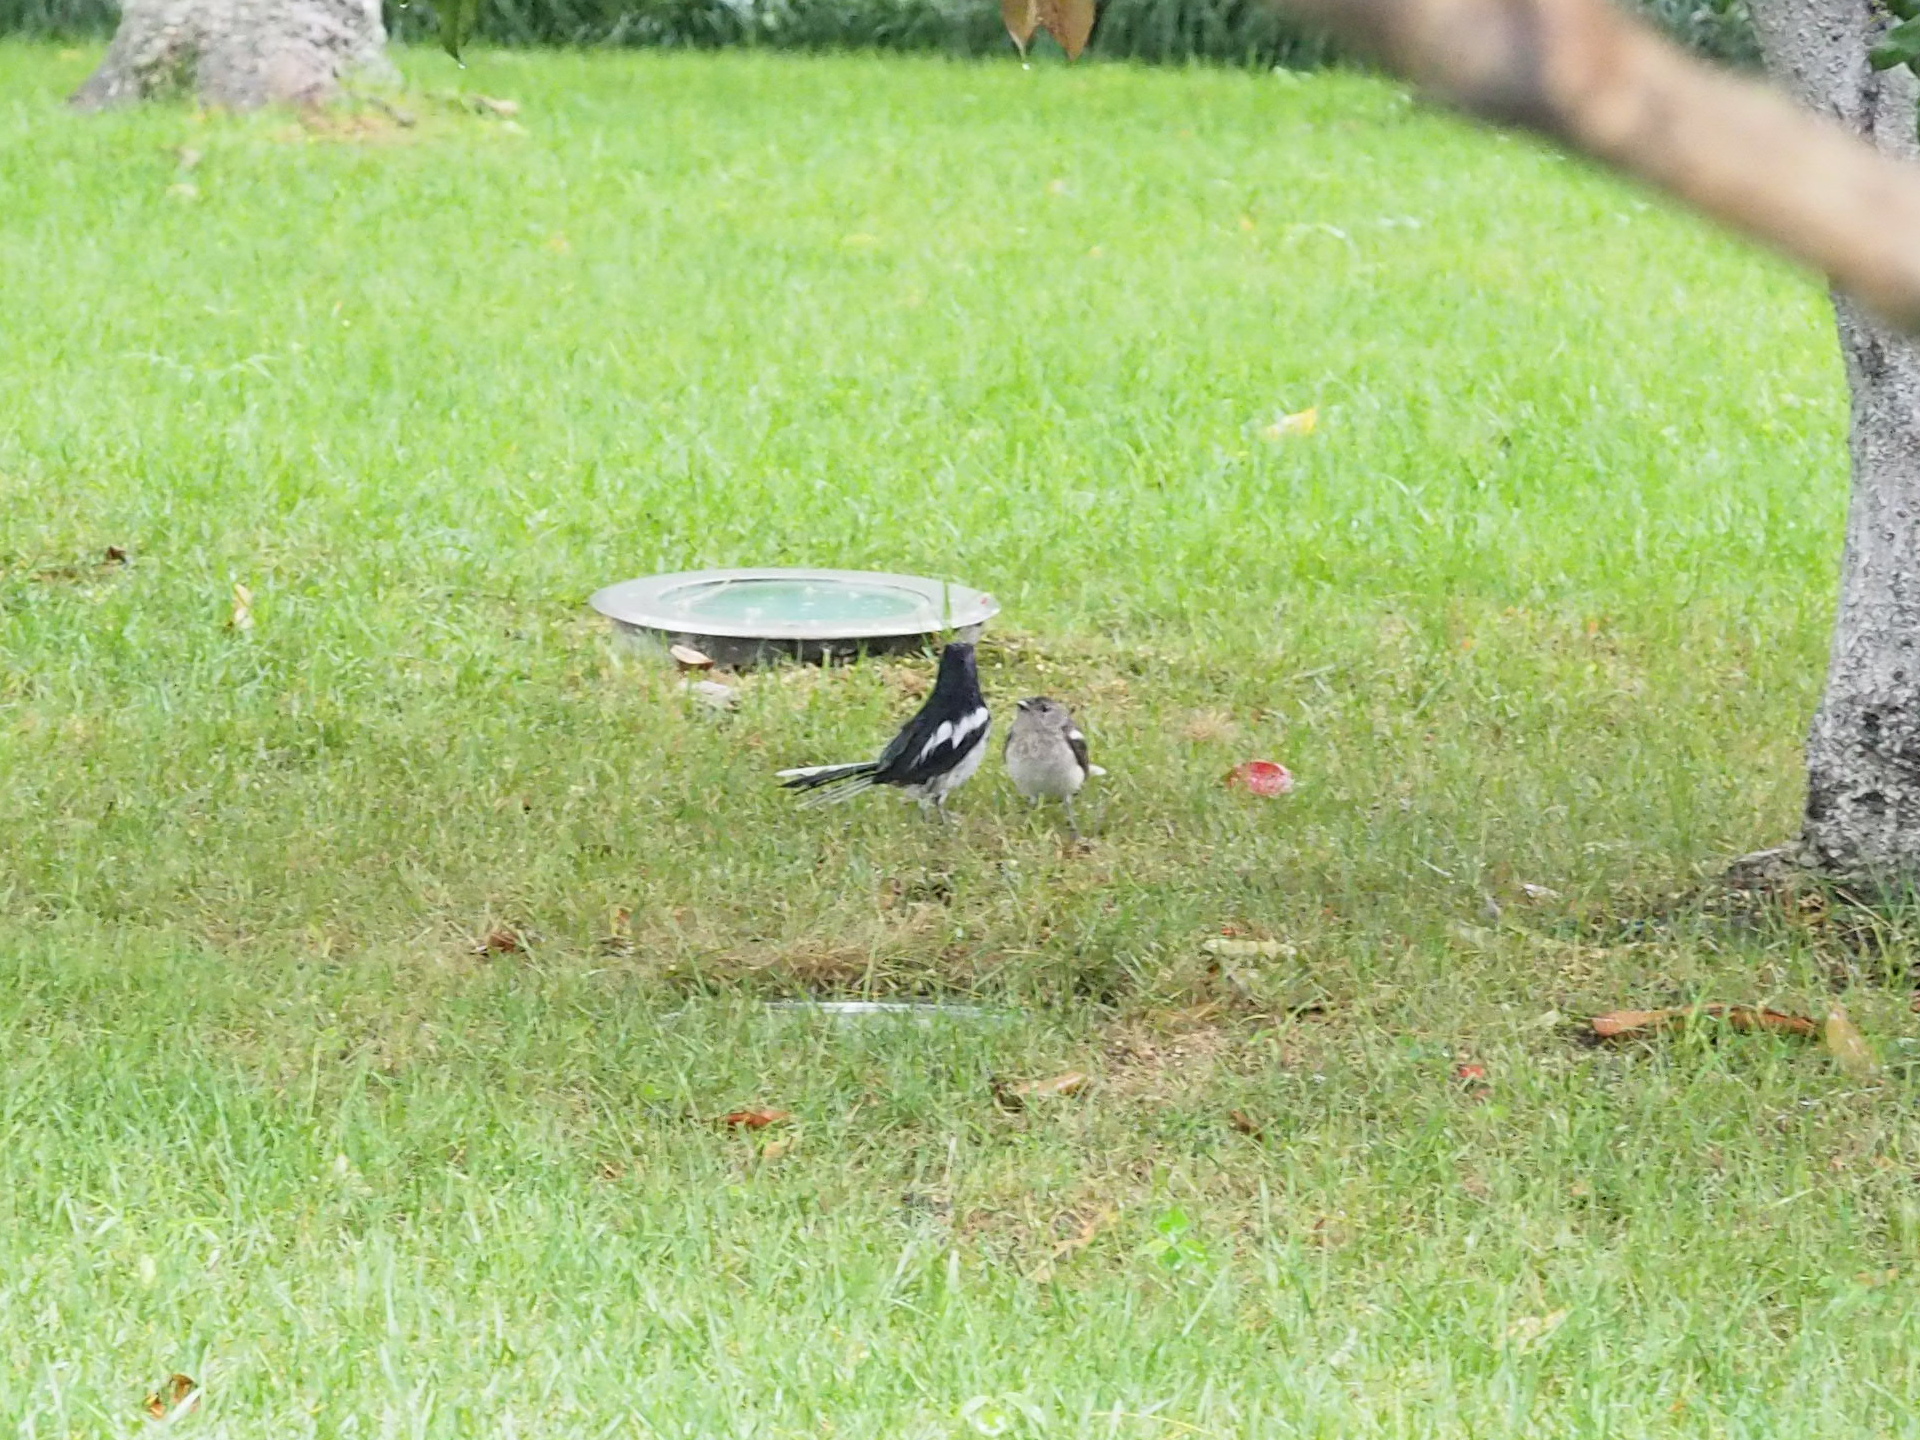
x,y
1863,753
238,53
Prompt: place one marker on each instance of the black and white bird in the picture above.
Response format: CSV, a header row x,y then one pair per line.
x,y
934,754
1047,755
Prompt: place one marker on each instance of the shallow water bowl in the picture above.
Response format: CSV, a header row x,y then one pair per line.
x,y
754,617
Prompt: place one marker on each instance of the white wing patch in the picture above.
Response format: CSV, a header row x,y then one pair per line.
x,y
940,737
955,735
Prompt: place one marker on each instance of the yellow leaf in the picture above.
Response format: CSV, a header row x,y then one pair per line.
x,y
1247,949
1302,422
1071,1083
242,607
1848,1046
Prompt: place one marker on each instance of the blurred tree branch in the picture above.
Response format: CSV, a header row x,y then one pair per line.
x,y
1601,83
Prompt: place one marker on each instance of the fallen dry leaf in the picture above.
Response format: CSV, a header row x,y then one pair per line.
x,y
1261,777
1848,1046
501,942
1078,1241
1245,1124
507,109
756,1119
1302,422
1248,949
242,608
1628,1024
688,658
1473,1079
1055,1087
173,1399
116,555
774,1149
1528,1331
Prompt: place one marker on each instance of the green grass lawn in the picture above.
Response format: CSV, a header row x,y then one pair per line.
x,y
1541,602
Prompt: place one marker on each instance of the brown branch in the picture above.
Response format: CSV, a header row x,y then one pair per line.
x,y
1589,77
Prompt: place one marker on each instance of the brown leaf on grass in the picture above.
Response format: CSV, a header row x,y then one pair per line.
x,y
1056,1087
619,937
116,555
242,608
501,942
505,109
1848,1046
688,658
1472,1078
173,1399
1206,727
1245,1124
1068,21
1631,1024
757,1118
1076,1242
775,1149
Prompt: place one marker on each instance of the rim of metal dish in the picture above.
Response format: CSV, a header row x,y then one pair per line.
x,y
629,603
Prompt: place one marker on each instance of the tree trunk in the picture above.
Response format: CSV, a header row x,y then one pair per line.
x,y
237,53
1863,754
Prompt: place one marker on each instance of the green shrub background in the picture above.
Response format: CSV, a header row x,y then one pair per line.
x,y
1239,32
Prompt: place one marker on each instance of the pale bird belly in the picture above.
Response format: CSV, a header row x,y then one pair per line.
x,y
1049,778
944,785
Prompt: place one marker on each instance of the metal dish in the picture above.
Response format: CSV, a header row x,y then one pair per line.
x,y
753,617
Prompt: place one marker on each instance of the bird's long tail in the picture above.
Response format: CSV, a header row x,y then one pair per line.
x,y
831,783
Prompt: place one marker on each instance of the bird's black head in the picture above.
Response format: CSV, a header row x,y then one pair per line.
x,y
959,676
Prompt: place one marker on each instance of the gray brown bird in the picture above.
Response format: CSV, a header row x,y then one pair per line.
x,y
1047,755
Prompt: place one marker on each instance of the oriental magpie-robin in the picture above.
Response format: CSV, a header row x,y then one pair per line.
x,y
932,756
1047,754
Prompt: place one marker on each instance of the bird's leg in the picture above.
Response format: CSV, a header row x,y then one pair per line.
x,y
1073,824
